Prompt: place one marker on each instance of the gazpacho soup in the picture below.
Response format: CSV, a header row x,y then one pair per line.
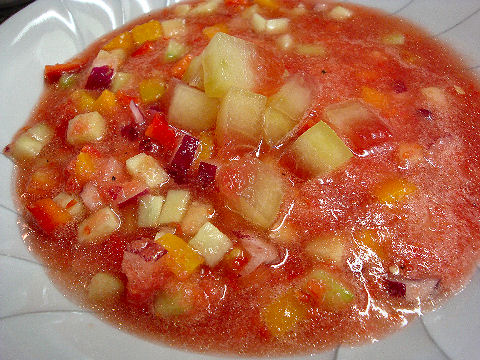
x,y
255,177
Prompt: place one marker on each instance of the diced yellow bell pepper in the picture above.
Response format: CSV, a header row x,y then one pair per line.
x,y
271,4
371,239
123,41
105,103
84,167
283,314
83,101
393,191
180,258
205,150
210,31
151,90
149,31
375,98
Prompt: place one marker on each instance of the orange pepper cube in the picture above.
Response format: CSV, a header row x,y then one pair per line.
x,y
393,191
283,314
181,259
48,215
84,167
149,31
371,240
105,103
151,90
270,4
210,31
83,101
123,41
375,98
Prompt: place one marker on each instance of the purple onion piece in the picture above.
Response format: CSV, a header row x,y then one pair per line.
x,y
137,114
130,132
427,114
206,175
100,78
183,158
395,288
399,86
149,251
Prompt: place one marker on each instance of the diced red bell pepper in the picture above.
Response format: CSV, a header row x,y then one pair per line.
x,y
124,99
49,215
143,49
53,72
160,131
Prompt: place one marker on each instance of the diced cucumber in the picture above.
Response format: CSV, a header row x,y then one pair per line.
x,y
340,13
292,99
104,286
329,248
168,304
227,62
211,243
240,115
275,125
337,294
175,206
71,203
29,144
98,226
319,150
173,27
120,80
191,109
149,208
194,74
174,51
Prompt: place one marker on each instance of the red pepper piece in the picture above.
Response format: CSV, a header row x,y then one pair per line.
x,y
53,72
143,49
160,131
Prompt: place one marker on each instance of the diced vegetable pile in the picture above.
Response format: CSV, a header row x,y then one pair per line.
x,y
254,176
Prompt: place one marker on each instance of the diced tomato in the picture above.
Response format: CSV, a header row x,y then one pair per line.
x,y
49,215
124,99
181,66
160,131
143,49
54,72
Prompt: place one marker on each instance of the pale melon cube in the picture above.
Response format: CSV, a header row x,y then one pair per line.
x,y
72,203
328,248
319,150
104,286
284,42
146,168
182,9
30,144
174,51
227,62
240,114
344,115
173,27
197,215
205,8
435,95
292,99
262,205
149,208
175,206
277,26
114,58
395,38
275,125
194,74
259,23
340,13
98,226
85,128
211,243
191,109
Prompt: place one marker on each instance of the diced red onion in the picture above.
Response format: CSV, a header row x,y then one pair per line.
x,y
130,191
260,252
150,251
183,158
206,174
399,86
412,289
137,115
427,114
130,132
91,197
100,78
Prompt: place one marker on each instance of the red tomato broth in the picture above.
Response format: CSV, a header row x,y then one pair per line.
x,y
429,233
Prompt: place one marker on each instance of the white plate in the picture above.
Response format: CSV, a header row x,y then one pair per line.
x,y
37,322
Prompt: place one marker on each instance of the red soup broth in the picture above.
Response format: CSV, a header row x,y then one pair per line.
x,y
261,179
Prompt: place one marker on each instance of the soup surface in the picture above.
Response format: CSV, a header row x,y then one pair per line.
x,y
259,178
